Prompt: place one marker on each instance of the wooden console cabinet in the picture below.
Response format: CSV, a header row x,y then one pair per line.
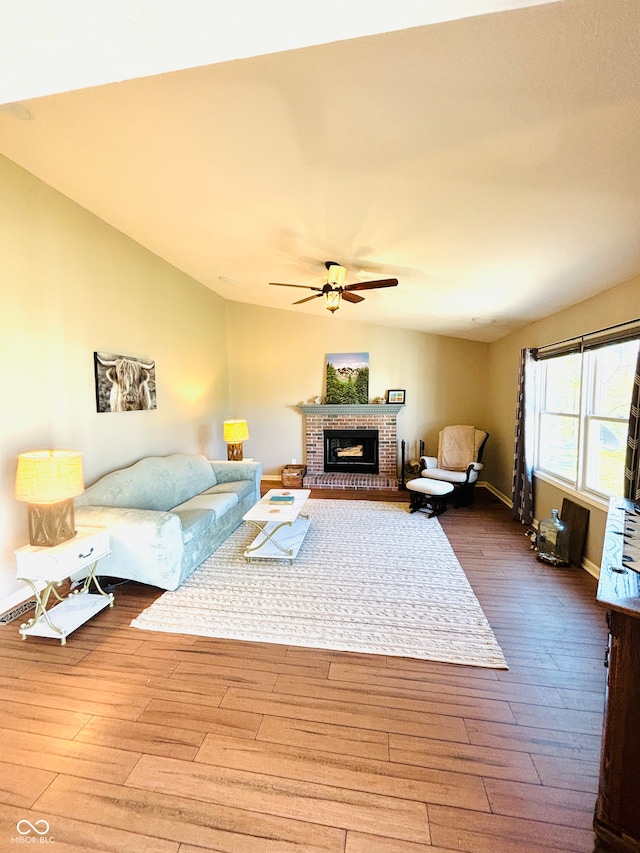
x,y
617,815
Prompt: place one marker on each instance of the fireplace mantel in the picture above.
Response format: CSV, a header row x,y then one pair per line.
x,y
381,409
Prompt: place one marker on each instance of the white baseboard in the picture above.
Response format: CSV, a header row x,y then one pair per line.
x,y
482,484
15,600
590,567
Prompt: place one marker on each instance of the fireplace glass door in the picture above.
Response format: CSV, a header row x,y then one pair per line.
x,y
351,451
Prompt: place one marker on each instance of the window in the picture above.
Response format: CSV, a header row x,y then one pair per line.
x,y
583,417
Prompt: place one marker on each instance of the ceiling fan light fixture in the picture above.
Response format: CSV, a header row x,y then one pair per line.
x,y
331,300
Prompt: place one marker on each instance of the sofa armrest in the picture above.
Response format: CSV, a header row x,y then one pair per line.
x,y
227,471
145,544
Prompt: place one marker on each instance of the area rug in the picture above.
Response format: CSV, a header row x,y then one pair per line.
x,y
370,577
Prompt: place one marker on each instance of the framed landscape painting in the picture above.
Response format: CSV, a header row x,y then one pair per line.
x,y
347,378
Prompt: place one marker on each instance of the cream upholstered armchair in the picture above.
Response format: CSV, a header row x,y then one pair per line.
x,y
459,460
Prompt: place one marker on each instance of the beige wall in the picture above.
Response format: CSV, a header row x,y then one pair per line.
x,y
277,360
614,306
72,285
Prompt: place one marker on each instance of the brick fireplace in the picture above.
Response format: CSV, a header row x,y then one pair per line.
x,y
319,419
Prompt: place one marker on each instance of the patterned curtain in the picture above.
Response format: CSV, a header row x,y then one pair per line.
x,y
522,487
632,462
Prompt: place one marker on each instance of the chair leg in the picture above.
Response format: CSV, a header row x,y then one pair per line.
x,y
438,506
435,503
415,501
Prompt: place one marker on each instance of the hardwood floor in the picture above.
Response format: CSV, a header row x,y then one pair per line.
x,y
124,740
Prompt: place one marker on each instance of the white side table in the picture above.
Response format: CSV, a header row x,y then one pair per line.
x,y
38,564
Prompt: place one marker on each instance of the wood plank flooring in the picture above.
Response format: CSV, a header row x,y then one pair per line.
x,y
125,740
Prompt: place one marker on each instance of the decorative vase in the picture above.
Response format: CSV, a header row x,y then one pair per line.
x,y
553,540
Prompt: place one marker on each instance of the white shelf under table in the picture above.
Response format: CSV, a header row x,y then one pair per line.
x,y
69,614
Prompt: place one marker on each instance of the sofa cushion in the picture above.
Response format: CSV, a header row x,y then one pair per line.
x,y
155,483
200,512
241,488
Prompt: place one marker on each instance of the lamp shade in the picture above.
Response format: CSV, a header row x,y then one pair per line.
x,y
235,431
336,275
49,476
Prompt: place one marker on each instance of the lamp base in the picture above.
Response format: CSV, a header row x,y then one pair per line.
x,y
234,451
51,524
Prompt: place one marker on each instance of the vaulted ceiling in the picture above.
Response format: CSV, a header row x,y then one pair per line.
x,y
489,162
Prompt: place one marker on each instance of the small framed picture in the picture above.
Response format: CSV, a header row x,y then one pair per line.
x,y
395,396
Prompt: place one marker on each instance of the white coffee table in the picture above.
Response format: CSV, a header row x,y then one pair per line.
x,y
282,526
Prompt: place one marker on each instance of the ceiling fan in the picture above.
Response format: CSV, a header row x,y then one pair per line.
x,y
335,289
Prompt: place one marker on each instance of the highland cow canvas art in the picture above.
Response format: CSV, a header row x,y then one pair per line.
x,y
124,384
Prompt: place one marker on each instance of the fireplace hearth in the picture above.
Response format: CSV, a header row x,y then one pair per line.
x,y
351,451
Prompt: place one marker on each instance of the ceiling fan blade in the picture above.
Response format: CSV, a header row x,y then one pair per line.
x,y
305,286
351,297
371,285
307,298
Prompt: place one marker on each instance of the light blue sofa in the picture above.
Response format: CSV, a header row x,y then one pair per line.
x,y
166,514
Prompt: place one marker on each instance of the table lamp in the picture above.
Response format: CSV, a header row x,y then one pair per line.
x,y
235,432
48,480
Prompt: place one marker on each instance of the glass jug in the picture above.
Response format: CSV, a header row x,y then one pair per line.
x,y
553,540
